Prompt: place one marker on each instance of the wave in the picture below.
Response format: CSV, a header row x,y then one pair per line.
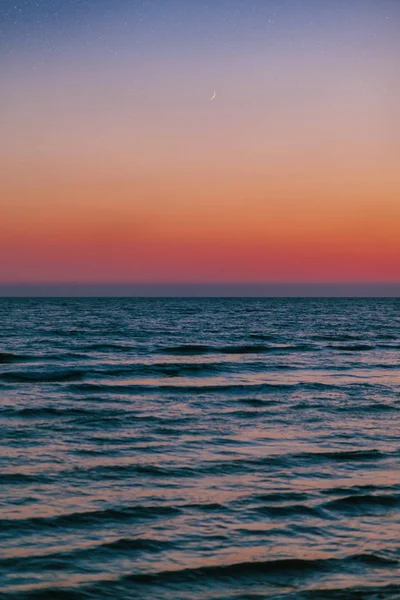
x,y
378,407
246,349
42,376
122,588
142,544
291,510
281,496
23,478
200,388
52,411
120,545
239,349
346,455
190,349
353,347
256,402
337,337
137,369
357,504
117,471
8,357
356,592
288,459
286,567
182,389
389,346
62,355
232,571
107,347
270,337
360,489
246,414
176,369
237,465
79,519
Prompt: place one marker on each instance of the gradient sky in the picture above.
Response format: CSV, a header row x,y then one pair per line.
x,y
115,166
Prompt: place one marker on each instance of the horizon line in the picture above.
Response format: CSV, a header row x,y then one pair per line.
x,y
207,289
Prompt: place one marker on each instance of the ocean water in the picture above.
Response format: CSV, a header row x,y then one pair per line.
x,y
202,449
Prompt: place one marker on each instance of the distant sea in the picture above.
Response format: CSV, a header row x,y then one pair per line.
x,y
199,449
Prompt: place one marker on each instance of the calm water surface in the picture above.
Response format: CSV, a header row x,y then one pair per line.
x,y
199,449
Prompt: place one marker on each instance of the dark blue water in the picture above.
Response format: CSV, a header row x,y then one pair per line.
x,y
199,449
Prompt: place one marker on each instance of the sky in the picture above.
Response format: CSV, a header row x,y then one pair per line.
x,y
197,141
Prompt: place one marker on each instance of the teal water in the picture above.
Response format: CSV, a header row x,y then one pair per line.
x,y
199,449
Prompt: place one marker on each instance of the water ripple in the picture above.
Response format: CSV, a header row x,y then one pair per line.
x,y
200,449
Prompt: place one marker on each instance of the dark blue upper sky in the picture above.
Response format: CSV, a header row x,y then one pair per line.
x,y
59,22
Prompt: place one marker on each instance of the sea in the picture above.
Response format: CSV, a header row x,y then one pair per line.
x,y
199,449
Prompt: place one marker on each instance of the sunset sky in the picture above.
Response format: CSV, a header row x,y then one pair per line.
x,y
115,165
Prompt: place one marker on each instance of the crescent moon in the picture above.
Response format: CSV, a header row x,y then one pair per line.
x,y
213,96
